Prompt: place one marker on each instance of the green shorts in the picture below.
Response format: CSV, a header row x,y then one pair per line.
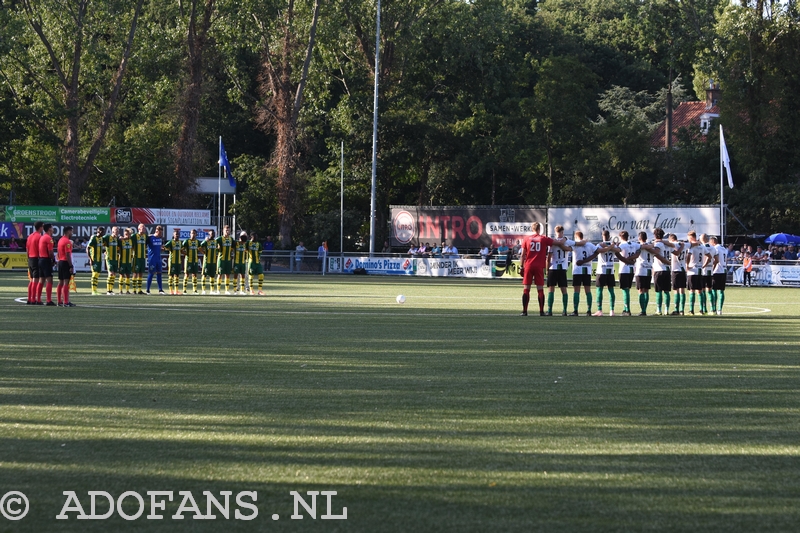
x,y
112,266
239,269
140,266
175,269
210,270
192,268
125,269
224,268
97,266
256,268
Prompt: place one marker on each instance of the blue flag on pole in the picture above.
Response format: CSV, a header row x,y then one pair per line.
x,y
223,162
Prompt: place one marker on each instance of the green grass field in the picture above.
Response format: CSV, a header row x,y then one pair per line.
x,y
447,413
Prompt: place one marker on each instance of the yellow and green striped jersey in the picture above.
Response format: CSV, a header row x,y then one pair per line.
x,y
240,253
125,251
174,246
190,248
140,245
225,248
112,247
210,251
94,248
254,248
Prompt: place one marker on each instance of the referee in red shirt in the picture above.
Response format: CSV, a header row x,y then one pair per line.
x,y
32,247
65,269
46,246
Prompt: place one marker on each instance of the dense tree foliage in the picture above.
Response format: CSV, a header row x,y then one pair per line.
x,y
482,102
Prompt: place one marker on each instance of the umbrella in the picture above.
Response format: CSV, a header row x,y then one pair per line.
x,y
782,238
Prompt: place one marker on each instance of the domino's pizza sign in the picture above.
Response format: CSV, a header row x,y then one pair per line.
x,y
379,265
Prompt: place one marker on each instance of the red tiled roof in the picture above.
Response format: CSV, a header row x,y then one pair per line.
x,y
686,115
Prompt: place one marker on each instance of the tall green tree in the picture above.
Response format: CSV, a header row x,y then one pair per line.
x,y
68,68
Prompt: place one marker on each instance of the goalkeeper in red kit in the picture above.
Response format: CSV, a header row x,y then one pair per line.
x,y
533,258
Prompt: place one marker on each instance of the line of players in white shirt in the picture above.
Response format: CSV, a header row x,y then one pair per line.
x,y
670,266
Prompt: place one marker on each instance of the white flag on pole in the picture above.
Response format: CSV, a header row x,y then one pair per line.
x,y
723,155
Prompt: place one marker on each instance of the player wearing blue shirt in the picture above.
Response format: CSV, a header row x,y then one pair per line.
x,y
154,243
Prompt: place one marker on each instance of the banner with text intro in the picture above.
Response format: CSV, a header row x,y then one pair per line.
x,y
468,227
592,220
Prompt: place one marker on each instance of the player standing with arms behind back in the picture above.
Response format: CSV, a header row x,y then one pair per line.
x,y
209,248
533,258
65,269
557,272
32,248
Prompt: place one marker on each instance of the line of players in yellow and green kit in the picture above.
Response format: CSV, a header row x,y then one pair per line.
x,y
223,258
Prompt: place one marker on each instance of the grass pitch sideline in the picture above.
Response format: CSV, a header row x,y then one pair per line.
x,y
447,413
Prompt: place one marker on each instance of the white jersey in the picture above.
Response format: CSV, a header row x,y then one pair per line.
x,y
644,263
711,252
722,257
558,257
678,261
582,252
695,258
665,252
627,249
605,261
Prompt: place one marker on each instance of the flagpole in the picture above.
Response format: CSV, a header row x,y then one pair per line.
x,y
372,206
219,189
341,208
721,189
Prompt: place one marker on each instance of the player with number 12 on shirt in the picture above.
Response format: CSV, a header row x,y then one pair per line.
x,y
533,258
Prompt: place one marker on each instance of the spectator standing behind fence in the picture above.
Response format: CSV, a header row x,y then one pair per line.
x,y
387,249
269,246
747,267
298,255
436,251
322,253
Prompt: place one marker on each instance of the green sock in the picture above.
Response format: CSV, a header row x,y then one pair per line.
x,y
626,300
550,298
659,301
646,299
565,301
721,300
713,299
692,300
642,302
589,301
612,297
598,295
703,302
666,302
576,300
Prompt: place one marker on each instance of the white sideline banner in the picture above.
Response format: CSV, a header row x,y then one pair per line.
x,y
672,219
372,265
774,275
452,268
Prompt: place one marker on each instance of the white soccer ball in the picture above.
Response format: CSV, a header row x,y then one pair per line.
x,y
400,299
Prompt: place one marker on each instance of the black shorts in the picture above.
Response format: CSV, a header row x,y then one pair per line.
x,y
45,267
64,271
33,267
718,281
557,278
707,281
626,280
605,280
679,280
643,283
695,282
581,280
661,281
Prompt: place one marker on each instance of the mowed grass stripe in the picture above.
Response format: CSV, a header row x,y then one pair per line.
x,y
447,413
